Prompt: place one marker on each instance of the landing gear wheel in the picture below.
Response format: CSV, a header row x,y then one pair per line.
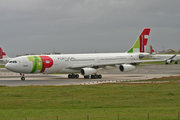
x,y
73,76
86,77
92,76
76,76
99,76
69,76
96,76
23,78
176,62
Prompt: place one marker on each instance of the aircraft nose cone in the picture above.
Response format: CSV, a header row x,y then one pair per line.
x,y
10,67
7,66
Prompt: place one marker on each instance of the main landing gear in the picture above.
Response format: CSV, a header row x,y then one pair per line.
x,y
95,76
22,76
73,76
174,63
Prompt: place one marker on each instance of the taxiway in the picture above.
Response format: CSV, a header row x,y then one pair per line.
x,y
8,78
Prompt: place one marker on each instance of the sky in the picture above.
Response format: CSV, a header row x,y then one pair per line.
x,y
86,26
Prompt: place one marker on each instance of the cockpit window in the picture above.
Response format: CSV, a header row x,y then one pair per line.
x,y
12,61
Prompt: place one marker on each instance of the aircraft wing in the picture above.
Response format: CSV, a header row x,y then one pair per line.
x,y
111,63
77,66
1,60
4,60
172,57
97,64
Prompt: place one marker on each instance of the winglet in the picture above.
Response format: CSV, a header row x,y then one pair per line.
x,y
141,42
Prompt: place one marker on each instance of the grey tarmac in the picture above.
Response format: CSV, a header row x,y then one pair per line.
x,y
8,78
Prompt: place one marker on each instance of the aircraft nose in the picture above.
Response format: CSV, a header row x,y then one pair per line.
x,y
7,66
10,67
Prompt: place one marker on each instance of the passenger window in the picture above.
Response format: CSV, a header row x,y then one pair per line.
x,y
12,61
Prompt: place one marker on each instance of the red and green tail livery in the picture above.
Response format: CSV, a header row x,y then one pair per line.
x,y
152,51
2,53
141,42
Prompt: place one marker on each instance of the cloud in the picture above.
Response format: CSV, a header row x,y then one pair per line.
x,y
73,26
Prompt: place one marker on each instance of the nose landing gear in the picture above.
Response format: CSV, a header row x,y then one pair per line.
x,y
22,76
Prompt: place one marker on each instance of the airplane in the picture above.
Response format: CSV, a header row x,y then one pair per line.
x,y
164,56
3,57
86,64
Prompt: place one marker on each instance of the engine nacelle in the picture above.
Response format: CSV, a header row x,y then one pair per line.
x,y
88,71
126,67
168,61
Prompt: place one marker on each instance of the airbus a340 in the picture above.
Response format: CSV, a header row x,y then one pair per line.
x,y
86,64
164,56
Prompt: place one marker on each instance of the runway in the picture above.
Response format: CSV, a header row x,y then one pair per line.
x,y
8,78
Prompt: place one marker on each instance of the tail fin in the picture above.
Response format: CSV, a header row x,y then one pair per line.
x,y
3,57
2,54
152,51
141,42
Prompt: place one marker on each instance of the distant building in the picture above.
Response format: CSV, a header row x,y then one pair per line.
x,y
170,50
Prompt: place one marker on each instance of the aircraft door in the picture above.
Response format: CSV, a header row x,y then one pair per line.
x,y
98,60
25,64
55,61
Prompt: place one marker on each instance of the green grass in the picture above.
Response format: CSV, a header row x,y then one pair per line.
x,y
100,102
157,62
2,66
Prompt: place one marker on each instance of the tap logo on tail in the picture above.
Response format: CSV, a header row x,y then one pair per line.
x,y
141,42
152,51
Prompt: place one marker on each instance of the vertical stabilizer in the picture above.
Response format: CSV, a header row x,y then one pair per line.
x,y
2,54
141,42
3,57
152,51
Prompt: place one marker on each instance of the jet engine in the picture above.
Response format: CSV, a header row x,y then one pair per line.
x,y
126,67
168,61
88,71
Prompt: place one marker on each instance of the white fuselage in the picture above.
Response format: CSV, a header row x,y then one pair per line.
x,y
68,63
165,56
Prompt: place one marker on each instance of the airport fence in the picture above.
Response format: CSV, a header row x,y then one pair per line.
x,y
147,116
